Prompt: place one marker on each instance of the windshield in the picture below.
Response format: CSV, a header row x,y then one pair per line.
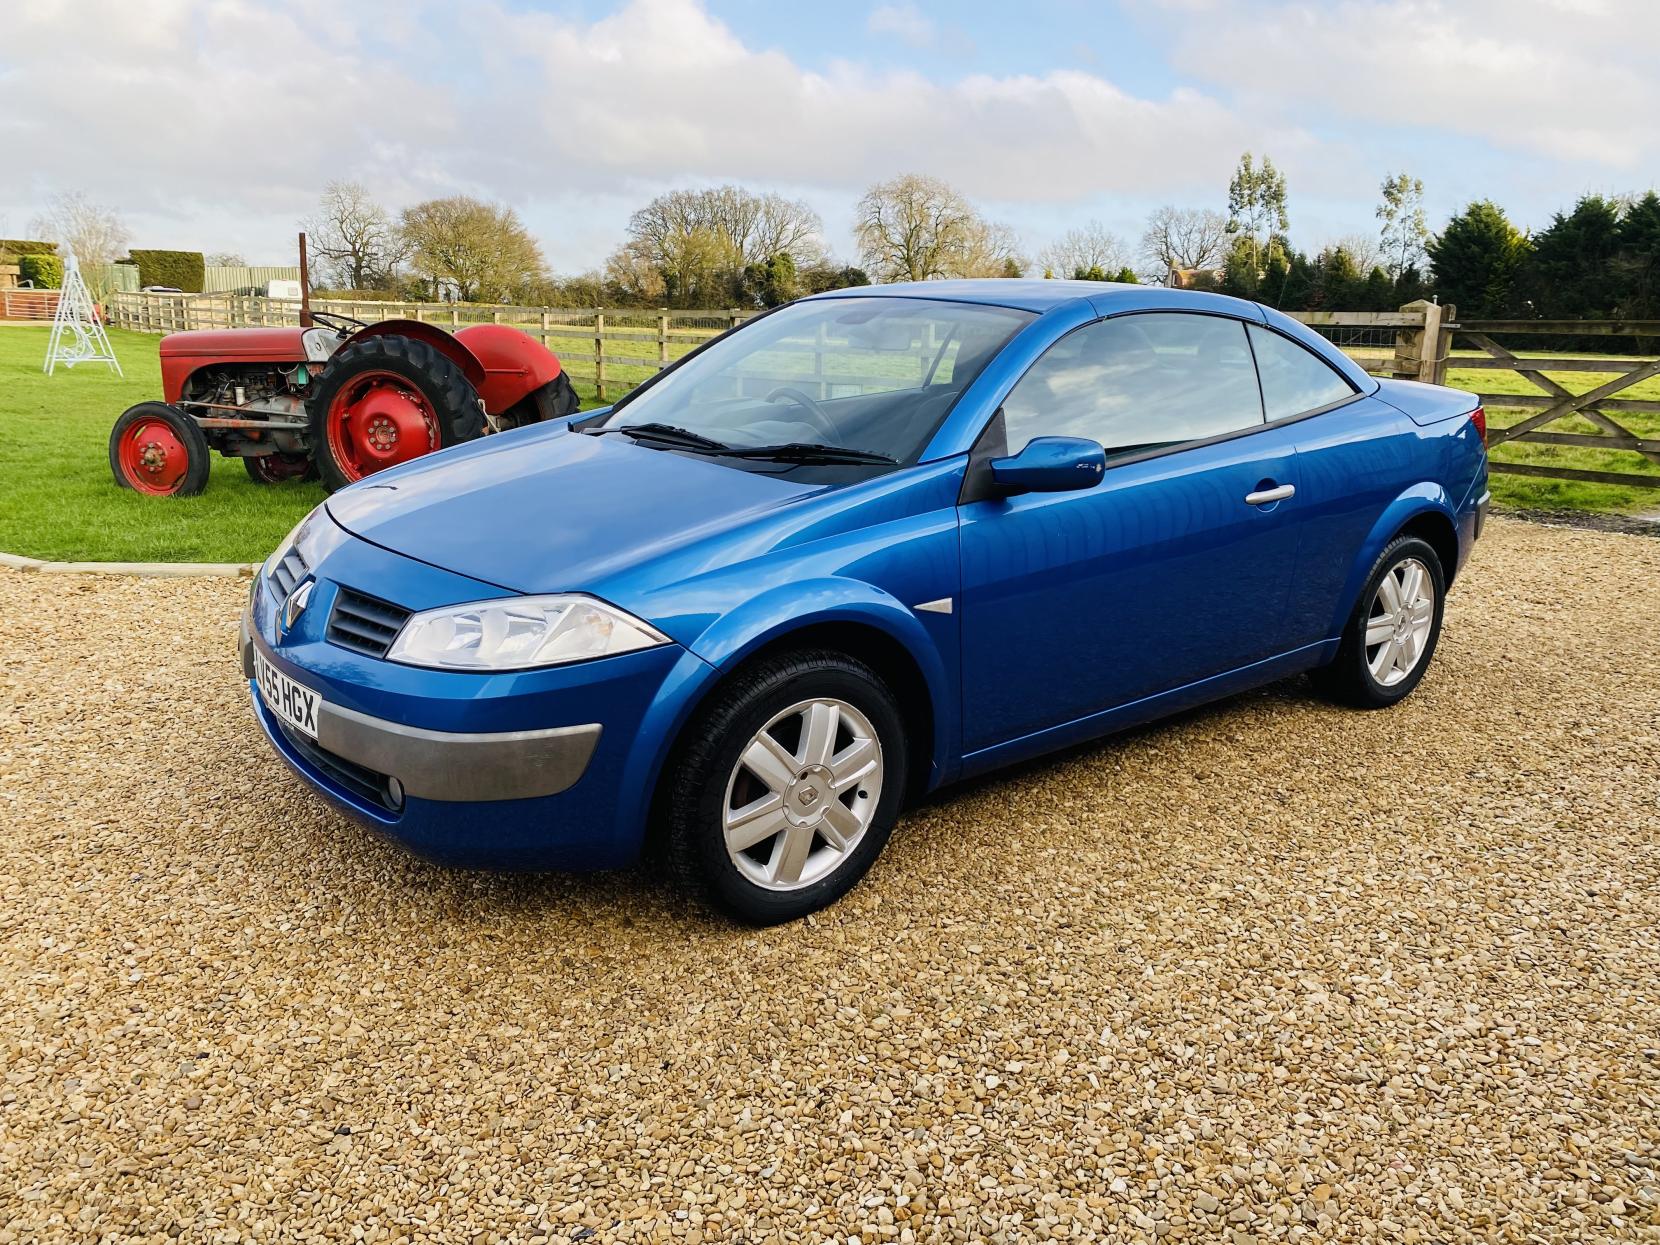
x,y
871,376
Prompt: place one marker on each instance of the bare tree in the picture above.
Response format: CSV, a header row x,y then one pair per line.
x,y
227,259
698,243
1364,249
990,249
1182,239
918,228
482,248
1088,248
355,237
93,233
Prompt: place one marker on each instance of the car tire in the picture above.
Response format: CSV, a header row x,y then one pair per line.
x,y
439,406
715,796
1389,639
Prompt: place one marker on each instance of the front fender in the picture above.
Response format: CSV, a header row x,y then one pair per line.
x,y
1426,497
437,338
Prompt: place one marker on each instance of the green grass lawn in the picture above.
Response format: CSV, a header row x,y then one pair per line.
x,y
58,499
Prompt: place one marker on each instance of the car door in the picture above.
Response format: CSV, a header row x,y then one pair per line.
x,y
1175,567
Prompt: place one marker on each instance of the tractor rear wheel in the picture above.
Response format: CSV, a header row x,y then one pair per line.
x,y
159,450
384,401
278,468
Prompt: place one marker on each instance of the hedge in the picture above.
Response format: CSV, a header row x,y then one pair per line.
x,y
184,270
15,246
46,271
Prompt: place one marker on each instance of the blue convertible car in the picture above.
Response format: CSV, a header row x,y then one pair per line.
x,y
868,543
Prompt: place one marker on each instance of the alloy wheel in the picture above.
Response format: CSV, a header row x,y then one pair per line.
x,y
1398,625
802,794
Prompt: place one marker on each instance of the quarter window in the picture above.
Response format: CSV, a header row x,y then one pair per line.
x,y
1294,378
1138,382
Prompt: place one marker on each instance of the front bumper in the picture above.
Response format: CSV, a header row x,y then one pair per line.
x,y
446,765
531,770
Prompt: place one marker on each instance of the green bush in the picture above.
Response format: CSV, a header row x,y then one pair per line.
x,y
45,271
15,246
184,270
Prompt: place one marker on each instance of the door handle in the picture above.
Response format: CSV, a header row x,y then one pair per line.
x,y
1264,497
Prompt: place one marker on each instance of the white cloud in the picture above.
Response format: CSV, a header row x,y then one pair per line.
x,y
904,22
1572,80
215,123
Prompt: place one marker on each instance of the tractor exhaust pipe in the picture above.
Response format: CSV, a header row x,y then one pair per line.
x,y
305,287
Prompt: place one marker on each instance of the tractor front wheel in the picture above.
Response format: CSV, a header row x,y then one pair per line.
x,y
384,401
278,468
159,450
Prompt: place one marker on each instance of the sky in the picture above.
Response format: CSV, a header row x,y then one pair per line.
x,y
213,125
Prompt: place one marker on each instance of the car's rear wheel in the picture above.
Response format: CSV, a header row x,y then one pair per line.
x,y
787,786
1391,636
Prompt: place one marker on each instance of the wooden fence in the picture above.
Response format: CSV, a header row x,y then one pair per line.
x,y
614,348
617,348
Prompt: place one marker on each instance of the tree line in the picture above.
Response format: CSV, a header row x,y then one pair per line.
x,y
730,246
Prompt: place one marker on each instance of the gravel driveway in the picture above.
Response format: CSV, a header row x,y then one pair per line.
x,y
1273,971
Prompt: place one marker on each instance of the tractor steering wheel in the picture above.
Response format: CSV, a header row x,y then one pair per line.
x,y
338,323
819,419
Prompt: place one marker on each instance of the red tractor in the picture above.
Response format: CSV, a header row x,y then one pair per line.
x,y
338,400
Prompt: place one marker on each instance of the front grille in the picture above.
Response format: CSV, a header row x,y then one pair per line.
x,y
364,624
367,784
287,573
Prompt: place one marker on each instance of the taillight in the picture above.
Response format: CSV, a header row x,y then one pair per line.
x,y
1478,417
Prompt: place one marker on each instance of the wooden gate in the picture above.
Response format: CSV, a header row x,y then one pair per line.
x,y
1556,402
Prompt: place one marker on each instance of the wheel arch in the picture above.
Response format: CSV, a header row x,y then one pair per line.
x,y
1425,511
888,639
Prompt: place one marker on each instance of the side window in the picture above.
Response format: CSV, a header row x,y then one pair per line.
x,y
1139,381
1294,378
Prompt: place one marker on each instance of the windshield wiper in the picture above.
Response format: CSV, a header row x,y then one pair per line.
x,y
667,434
806,452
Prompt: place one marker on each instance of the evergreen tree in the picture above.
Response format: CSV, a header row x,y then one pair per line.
x,y
1568,274
1340,284
1636,266
1240,275
1126,276
1475,260
1379,292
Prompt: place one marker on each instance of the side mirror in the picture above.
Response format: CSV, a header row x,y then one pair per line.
x,y
1050,465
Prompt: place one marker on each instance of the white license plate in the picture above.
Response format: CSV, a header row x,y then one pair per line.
x,y
293,702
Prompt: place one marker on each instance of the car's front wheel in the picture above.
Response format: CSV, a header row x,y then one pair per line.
x,y
1392,633
787,786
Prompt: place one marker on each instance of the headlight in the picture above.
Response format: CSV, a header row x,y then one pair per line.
x,y
288,542
518,633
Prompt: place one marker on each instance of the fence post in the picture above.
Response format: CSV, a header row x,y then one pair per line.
x,y
662,340
1421,353
545,345
599,354
455,317
734,317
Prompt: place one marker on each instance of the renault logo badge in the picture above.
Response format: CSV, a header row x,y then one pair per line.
x,y
296,603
